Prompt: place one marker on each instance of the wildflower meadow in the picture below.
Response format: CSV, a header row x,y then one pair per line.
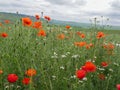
x,y
37,55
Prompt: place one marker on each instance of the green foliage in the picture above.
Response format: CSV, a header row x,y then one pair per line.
x,y
55,60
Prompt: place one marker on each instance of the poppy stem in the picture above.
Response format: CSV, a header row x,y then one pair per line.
x,y
108,82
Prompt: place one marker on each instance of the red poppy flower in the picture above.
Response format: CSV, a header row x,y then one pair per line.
x,y
61,36
104,64
37,17
118,86
80,74
1,71
83,68
30,72
12,78
88,46
0,24
26,81
111,46
90,67
67,27
91,45
26,21
76,43
7,21
47,18
37,25
42,33
101,76
4,35
82,35
100,35
78,33
80,44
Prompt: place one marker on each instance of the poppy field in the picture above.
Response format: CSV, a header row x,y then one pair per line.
x,y
36,55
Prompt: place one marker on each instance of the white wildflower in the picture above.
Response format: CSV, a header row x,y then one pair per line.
x,y
67,53
63,56
111,70
55,53
80,81
62,67
118,45
74,76
54,77
85,79
54,56
75,56
101,69
116,64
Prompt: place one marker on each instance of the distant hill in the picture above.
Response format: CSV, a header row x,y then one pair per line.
x,y
12,16
15,16
85,25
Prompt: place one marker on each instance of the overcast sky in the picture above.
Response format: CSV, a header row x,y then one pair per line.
x,y
68,10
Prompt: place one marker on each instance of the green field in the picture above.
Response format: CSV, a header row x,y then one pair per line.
x,y
57,59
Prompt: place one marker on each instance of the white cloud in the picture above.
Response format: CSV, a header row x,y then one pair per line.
x,y
71,10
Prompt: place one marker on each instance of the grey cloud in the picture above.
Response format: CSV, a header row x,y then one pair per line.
x,y
115,4
95,13
114,17
67,2
80,2
114,12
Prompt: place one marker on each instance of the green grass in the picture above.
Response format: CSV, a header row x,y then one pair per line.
x,y
53,59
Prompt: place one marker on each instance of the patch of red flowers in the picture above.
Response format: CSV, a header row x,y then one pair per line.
x,y
88,67
12,78
109,46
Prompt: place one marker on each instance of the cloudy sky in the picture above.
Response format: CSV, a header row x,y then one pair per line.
x,y
68,10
